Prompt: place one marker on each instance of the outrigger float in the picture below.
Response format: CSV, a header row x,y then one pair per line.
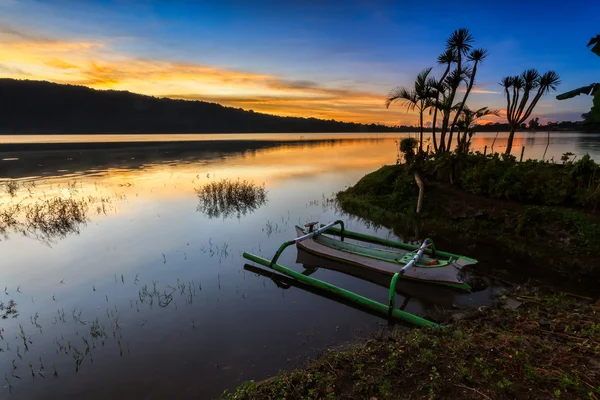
x,y
400,260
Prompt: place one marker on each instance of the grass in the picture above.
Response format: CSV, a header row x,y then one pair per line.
x,y
227,198
48,219
546,348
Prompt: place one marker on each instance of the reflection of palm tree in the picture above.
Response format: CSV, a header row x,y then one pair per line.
x,y
521,87
417,98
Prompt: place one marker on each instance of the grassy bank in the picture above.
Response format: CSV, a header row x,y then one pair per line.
x,y
548,347
553,243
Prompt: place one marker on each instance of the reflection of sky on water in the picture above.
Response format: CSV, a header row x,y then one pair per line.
x,y
238,326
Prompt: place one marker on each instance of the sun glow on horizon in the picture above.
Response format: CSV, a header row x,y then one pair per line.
x,y
98,65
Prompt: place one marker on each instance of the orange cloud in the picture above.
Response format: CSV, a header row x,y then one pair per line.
x,y
96,64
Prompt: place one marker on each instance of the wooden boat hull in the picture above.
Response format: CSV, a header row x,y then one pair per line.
x,y
386,262
444,296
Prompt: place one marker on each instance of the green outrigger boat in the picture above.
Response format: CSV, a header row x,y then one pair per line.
x,y
398,259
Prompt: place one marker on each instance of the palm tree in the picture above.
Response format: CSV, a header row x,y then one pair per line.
x,y
522,87
416,98
447,58
466,124
453,80
476,56
459,42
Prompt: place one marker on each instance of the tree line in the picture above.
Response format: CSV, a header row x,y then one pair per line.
x,y
28,106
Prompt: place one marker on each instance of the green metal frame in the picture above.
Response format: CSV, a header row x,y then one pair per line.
x,y
322,229
392,243
390,310
372,305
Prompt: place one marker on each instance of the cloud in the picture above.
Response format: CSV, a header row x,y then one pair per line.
x,y
481,91
559,116
96,64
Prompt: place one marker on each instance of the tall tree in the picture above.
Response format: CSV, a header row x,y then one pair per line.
x,y
416,98
521,87
447,58
476,56
460,42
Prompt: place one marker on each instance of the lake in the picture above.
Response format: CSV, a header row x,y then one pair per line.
x,y
143,294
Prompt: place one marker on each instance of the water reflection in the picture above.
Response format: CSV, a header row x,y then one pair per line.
x,y
150,297
227,198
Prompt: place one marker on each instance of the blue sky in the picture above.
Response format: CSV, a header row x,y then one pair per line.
x,y
327,59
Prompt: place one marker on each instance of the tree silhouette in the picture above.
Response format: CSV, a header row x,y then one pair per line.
x,y
416,98
521,87
593,89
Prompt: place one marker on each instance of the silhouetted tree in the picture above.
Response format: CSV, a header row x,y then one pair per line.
x,y
416,98
593,89
467,125
521,87
476,56
447,58
534,123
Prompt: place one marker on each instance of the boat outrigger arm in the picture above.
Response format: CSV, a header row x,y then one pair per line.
x,y
385,310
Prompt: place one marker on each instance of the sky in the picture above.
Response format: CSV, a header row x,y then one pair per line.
x,y
324,59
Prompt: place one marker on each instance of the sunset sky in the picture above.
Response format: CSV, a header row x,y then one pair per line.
x,y
325,59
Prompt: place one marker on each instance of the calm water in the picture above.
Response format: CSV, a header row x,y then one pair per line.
x,y
148,297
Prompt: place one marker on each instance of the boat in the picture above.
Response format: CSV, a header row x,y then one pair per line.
x,y
421,263
401,261
425,295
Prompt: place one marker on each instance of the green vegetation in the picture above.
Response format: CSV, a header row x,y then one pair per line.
x,y
227,198
461,62
591,119
539,212
548,347
36,107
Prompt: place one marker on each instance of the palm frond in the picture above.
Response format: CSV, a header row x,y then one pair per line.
x,y
507,82
447,57
531,79
596,42
518,82
460,40
421,81
549,81
477,55
407,97
589,90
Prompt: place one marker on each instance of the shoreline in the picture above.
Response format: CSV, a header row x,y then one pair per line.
x,y
531,342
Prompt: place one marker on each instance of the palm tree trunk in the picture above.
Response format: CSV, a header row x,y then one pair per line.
x,y
462,105
511,135
435,111
452,95
435,147
421,131
421,186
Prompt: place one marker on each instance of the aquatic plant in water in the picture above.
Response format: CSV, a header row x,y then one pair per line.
x,y
227,198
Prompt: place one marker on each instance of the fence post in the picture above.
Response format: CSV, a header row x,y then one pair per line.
x,y
485,150
547,144
522,152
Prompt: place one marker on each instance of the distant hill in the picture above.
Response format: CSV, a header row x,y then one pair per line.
x,y
43,107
